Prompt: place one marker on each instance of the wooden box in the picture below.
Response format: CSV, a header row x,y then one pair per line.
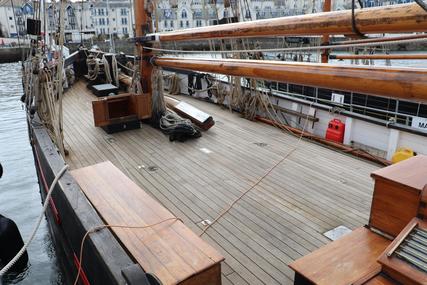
x,y
121,108
397,194
101,90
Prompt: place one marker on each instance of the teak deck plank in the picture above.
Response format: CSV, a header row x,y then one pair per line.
x,y
280,220
169,250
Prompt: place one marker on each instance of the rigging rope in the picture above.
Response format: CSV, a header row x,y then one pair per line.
x,y
106,69
92,63
115,68
60,72
37,225
353,19
422,4
158,105
337,46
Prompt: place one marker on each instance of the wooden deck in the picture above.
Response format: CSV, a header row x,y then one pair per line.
x,y
314,190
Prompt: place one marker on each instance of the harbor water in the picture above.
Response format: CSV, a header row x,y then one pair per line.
x,y
19,190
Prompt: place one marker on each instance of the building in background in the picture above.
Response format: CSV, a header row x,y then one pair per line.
x,y
83,20
77,21
13,19
113,17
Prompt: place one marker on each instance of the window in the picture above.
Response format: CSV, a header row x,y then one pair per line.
x,y
184,14
10,18
171,24
125,30
166,24
124,21
187,24
181,24
198,23
101,12
123,12
70,12
102,21
198,14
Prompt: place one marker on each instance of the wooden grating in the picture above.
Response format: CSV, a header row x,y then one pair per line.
x,y
405,259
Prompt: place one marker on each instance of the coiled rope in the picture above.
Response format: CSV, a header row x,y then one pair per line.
x,y
106,69
158,105
37,225
115,70
92,63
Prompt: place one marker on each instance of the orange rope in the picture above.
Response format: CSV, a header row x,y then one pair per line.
x,y
98,228
282,127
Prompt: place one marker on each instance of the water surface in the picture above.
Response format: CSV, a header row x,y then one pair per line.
x,y
19,191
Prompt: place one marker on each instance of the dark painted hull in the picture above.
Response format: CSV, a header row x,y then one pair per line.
x,y
13,54
103,257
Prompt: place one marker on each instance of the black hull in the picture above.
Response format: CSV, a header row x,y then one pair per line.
x,y
103,257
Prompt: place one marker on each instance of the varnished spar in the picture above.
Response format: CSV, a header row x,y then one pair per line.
x,y
404,83
378,56
390,19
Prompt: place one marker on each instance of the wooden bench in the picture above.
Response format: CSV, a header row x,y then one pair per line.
x,y
170,250
342,262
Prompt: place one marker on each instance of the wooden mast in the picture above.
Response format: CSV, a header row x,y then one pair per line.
x,y
142,27
325,38
404,83
391,19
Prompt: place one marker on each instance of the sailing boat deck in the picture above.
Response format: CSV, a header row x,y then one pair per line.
x,y
280,220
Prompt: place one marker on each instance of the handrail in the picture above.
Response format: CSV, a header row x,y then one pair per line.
x,y
391,19
405,83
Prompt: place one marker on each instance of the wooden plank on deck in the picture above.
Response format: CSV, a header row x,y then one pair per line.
x,y
169,250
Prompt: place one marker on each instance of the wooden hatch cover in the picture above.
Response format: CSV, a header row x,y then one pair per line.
x,y
344,261
170,250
